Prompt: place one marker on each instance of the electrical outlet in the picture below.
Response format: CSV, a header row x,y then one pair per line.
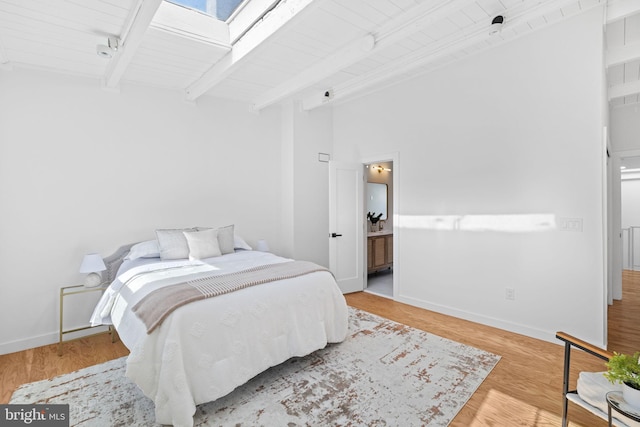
x,y
510,294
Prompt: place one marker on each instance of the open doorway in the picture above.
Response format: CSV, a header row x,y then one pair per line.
x,y
379,207
630,212
624,299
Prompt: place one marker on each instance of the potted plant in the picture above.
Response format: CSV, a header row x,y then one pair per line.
x,y
625,369
374,220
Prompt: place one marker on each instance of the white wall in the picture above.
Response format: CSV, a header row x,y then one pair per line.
x,y
313,133
85,170
304,222
625,127
630,203
513,131
630,196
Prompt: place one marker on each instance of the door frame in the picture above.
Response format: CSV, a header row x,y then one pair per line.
x,y
394,157
615,224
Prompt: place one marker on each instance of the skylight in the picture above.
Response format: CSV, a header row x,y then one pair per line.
x,y
220,9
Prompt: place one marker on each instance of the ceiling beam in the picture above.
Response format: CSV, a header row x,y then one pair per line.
x,y
401,27
627,104
345,57
242,20
274,21
620,9
4,59
135,28
625,89
446,47
620,55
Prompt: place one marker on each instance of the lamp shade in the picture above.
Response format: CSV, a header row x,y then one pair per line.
x,y
92,263
262,246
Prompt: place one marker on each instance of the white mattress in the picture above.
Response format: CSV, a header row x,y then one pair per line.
x,y
204,350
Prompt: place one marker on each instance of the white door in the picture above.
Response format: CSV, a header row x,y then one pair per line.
x,y
345,225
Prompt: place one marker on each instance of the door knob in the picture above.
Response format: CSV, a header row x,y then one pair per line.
x,y
335,235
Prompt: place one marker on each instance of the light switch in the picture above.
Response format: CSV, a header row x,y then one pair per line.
x,y
570,224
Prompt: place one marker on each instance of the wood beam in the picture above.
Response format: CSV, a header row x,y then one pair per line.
x,y
626,104
242,49
625,89
402,26
4,59
470,36
620,9
620,55
346,56
135,28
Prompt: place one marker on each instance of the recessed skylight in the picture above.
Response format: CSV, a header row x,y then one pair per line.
x,y
220,9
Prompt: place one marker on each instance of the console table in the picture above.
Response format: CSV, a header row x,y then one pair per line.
x,y
379,251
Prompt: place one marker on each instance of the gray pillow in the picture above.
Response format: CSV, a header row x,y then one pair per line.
x,y
172,243
225,238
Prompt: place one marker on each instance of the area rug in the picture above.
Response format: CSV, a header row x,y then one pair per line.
x,y
384,373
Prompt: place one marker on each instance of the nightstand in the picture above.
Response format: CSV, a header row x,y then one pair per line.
x,y
74,290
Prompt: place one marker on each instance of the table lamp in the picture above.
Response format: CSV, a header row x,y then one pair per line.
x,y
262,246
92,264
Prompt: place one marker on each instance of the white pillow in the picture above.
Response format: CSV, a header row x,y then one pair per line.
x,y
146,249
239,243
202,244
173,244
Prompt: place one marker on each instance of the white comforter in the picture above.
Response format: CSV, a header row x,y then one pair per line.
x,y
204,350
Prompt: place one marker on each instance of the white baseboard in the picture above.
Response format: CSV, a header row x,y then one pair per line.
x,y
42,340
27,343
549,336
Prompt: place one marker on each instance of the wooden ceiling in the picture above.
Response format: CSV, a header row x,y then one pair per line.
x,y
314,51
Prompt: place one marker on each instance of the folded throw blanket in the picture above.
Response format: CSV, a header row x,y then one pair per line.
x,y
157,305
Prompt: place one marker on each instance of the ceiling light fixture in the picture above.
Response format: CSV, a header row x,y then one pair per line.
x,y
108,50
496,25
380,168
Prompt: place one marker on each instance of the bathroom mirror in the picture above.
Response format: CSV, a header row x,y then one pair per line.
x,y
377,199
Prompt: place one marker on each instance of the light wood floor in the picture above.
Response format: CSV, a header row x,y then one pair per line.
x,y
624,316
524,389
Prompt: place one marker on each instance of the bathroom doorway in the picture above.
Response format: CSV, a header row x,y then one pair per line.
x,y
379,207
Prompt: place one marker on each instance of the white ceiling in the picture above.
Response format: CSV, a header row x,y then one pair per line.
x,y
315,51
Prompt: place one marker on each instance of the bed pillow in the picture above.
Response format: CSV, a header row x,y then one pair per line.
x,y
225,238
146,249
172,243
202,244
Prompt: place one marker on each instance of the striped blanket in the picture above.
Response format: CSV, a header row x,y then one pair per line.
x,y
157,305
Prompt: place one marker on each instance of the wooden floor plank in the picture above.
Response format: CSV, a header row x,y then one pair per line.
x,y
624,316
41,363
524,389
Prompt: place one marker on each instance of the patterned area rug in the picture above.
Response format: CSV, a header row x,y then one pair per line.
x,y
384,373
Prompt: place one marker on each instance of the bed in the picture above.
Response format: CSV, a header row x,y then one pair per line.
x,y
202,350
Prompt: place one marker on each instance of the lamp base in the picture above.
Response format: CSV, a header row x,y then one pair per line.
x,y
92,280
